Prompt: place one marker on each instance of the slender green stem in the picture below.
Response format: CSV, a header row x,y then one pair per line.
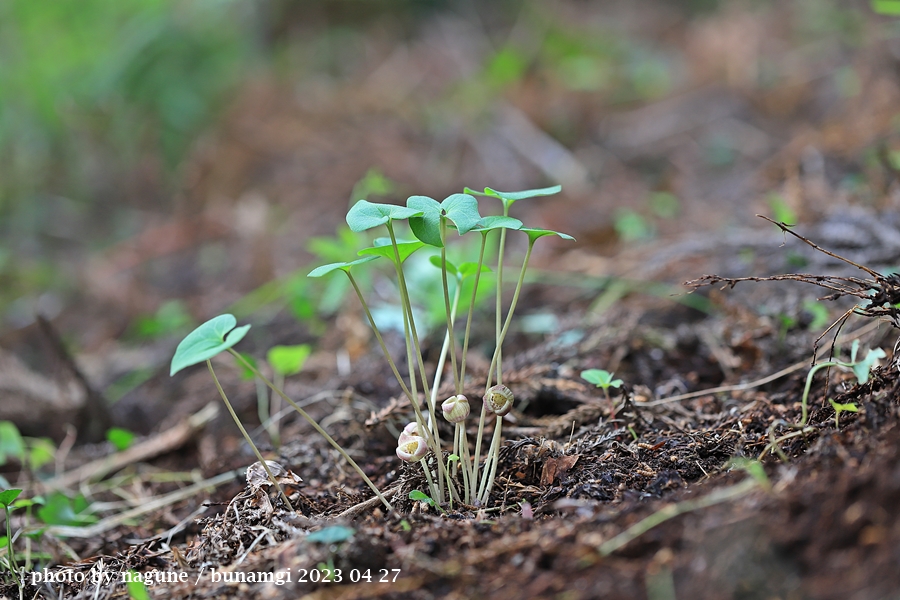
x,y
11,555
465,350
410,327
478,438
442,359
499,309
490,467
432,489
457,384
246,435
380,339
512,309
315,426
804,402
275,403
463,455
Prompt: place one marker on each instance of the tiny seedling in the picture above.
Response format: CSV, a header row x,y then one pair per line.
x,y
860,370
219,335
423,497
604,380
7,497
284,361
839,408
120,438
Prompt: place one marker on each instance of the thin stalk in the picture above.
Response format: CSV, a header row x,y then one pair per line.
x,y
465,350
478,438
263,408
275,403
374,327
463,454
11,555
244,431
315,426
490,467
494,361
442,359
457,384
427,471
410,327
499,308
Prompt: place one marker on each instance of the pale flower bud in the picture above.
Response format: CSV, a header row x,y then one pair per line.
x,y
411,430
412,449
456,408
499,399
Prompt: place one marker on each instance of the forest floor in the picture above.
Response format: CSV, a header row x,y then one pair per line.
x,y
708,372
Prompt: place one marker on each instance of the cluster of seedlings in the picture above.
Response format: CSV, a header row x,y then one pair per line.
x,y
457,475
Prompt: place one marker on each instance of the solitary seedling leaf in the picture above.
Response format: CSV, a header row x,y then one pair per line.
x,y
509,197
839,408
420,496
120,438
367,215
459,209
383,247
60,510
451,268
331,535
339,266
492,222
288,360
7,497
11,443
600,378
534,234
135,586
862,368
214,336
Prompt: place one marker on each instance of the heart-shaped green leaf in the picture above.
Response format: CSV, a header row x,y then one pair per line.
x,y
339,266
384,248
459,209
534,234
206,341
497,222
288,360
7,497
509,197
366,215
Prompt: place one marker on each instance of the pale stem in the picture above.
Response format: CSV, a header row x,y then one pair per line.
x,y
381,343
487,480
427,471
443,357
457,385
314,425
275,403
246,435
465,350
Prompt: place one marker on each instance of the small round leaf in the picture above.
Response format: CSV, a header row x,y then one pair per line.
x,y
366,215
214,336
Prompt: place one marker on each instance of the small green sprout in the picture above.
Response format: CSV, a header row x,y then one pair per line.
x,y
7,497
604,380
120,438
423,497
839,408
220,334
285,361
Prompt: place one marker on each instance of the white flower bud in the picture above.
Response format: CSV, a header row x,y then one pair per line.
x,y
411,430
413,449
499,399
456,408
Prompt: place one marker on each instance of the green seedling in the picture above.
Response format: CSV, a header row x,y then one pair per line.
x,y
31,452
860,370
432,222
423,497
839,408
335,534
219,335
604,380
59,509
284,361
120,438
7,497
135,586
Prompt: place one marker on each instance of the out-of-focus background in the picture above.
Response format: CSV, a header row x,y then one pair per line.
x,y
162,161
